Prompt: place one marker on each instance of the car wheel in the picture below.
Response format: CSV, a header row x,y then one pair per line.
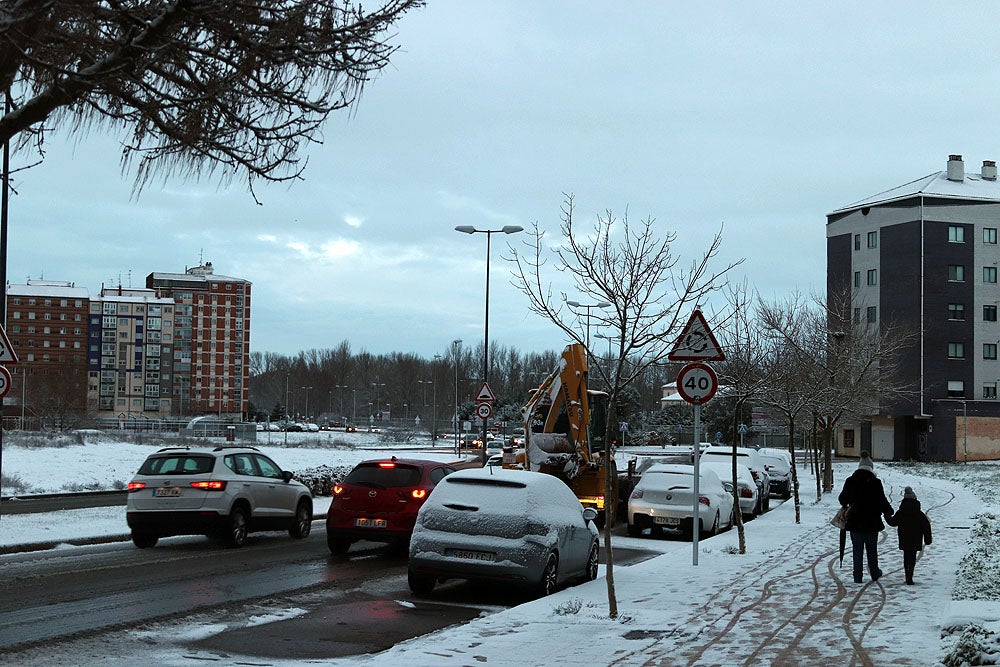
x,y
237,533
337,544
144,540
593,560
420,584
303,521
634,530
547,586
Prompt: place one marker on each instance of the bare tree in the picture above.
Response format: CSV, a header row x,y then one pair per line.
x,y
202,86
634,269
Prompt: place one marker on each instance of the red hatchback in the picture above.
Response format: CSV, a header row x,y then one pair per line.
x,y
378,501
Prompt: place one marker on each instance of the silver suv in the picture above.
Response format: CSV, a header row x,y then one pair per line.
x,y
225,491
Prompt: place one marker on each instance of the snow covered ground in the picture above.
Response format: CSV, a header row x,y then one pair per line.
x,y
786,601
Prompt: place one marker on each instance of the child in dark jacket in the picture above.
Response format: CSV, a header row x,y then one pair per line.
x,y
914,530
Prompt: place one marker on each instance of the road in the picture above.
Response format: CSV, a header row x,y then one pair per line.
x,y
58,595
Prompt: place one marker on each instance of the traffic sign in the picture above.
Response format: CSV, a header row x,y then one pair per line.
x,y
697,383
7,354
5,381
484,410
742,429
696,342
485,395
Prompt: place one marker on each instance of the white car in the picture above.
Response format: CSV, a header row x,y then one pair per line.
x,y
778,464
664,498
751,458
509,526
747,487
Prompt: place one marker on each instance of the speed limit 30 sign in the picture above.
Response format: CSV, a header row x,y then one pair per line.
x,y
697,383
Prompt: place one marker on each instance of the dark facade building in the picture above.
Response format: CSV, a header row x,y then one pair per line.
x,y
925,256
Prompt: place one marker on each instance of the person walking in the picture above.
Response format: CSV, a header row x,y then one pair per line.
x,y
913,528
866,504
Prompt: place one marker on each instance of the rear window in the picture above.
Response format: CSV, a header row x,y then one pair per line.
x,y
384,477
669,480
177,464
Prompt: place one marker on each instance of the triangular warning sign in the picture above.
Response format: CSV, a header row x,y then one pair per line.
x,y
7,354
485,395
696,342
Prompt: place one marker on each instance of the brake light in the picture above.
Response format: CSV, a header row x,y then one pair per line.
x,y
637,494
135,486
745,492
337,489
386,464
705,501
210,485
419,494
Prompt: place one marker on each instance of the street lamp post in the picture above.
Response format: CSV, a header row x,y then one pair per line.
x,y
577,304
307,402
469,229
377,406
457,347
341,387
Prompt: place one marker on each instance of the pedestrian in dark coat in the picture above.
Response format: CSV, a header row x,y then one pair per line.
x,y
914,529
865,499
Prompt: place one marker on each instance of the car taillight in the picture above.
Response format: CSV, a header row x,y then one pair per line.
x,y
705,501
756,475
386,464
745,492
135,486
637,494
210,485
419,494
337,489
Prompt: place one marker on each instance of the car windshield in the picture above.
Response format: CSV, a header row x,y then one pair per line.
x,y
384,475
177,464
775,462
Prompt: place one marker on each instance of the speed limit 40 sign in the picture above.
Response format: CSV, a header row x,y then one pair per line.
x,y
697,383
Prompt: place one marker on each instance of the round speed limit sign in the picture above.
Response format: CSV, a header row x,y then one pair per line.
x,y
697,383
5,381
484,410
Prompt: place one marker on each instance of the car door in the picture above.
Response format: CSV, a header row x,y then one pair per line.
x,y
246,479
278,496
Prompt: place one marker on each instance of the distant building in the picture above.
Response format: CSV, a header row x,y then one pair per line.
x,y
211,355
926,254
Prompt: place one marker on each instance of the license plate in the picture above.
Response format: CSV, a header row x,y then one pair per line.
x,y
667,520
370,523
167,492
472,555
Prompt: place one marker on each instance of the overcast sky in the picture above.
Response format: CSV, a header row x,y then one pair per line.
x,y
762,117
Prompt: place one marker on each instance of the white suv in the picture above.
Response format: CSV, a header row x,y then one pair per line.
x,y
221,491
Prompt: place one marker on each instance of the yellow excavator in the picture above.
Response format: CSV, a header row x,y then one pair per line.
x,y
558,442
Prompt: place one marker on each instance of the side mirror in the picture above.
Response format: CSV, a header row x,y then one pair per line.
x,y
631,467
286,475
589,514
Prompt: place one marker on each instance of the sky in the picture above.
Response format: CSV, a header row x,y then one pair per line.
x,y
671,610
753,119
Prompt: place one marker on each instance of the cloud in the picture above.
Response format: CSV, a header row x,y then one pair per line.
x,y
353,220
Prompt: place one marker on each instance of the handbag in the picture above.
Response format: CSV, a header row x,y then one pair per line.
x,y
840,518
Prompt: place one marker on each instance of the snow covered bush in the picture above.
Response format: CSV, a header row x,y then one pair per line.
x,y
975,646
978,575
321,479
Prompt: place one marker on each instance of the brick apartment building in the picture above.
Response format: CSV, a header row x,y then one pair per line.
x,y
926,254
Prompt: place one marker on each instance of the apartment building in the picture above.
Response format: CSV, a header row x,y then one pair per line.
x,y
925,255
211,354
130,354
47,327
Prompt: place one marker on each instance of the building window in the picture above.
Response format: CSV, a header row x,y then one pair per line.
x,y
956,234
956,311
872,276
956,389
872,239
956,350
990,235
956,273
990,390
989,274
857,279
857,241
871,314
989,350
989,313
857,315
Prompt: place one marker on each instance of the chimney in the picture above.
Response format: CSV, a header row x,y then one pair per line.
x,y
989,170
956,168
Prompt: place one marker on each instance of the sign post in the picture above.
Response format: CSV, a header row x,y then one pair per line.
x,y
697,384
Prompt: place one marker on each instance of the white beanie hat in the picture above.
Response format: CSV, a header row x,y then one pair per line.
x,y
866,462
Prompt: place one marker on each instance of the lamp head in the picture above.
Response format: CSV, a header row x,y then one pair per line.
x,y
512,229
466,229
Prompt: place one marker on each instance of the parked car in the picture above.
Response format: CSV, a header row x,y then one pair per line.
x,y
379,499
310,427
222,491
507,526
664,498
747,489
778,464
751,458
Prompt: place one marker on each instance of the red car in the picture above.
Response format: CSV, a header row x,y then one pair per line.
x,y
378,501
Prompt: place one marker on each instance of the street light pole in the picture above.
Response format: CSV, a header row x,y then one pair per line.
x,y
307,402
469,229
576,304
456,347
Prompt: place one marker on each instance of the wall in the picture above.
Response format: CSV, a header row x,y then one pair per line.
x,y
982,442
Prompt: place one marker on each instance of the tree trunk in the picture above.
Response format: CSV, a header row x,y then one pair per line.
x,y
610,510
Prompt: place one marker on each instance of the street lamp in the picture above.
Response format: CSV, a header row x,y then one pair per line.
x,y
457,347
307,402
469,229
341,415
576,304
376,385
